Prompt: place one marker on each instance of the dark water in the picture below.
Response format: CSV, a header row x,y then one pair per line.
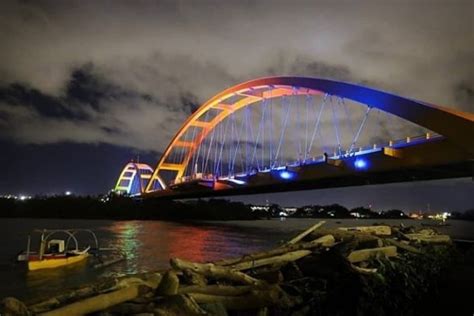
x,y
149,245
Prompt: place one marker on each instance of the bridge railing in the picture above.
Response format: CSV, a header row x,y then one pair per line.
x,y
318,159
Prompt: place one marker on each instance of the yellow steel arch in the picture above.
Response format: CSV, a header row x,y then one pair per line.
x,y
457,126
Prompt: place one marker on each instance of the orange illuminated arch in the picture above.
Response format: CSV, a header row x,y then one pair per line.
x,y
455,125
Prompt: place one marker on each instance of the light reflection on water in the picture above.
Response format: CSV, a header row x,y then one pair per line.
x,y
148,246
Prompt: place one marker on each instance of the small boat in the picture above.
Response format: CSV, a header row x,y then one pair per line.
x,y
54,253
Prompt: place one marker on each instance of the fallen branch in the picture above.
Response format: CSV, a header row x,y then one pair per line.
x,y
381,230
100,287
403,246
366,254
305,233
217,289
287,257
109,262
97,303
429,238
252,300
325,241
217,272
364,270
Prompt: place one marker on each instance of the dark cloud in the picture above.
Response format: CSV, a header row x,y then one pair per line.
x,y
146,65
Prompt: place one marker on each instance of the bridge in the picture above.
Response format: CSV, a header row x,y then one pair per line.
x,y
294,133
133,178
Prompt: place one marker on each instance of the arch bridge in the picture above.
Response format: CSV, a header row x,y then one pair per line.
x,y
293,133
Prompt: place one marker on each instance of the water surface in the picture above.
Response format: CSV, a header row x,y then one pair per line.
x,y
149,245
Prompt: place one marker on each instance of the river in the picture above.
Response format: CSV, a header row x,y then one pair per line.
x,y
148,246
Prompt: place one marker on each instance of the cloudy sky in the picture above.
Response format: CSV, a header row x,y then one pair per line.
x,y
85,85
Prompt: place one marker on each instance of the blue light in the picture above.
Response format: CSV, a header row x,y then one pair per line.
x,y
360,164
286,175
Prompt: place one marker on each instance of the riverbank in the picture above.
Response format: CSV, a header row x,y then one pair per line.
x,y
118,207
381,270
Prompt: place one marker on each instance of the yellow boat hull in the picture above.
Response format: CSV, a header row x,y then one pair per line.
x,y
55,263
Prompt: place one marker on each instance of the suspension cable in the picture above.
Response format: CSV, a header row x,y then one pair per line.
x,y
356,136
318,122
335,123
277,153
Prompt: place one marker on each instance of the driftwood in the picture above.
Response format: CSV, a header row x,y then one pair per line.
x,y
325,241
287,257
403,246
364,270
429,238
182,304
217,272
343,235
253,300
169,284
102,286
305,233
190,293
381,230
192,278
271,273
13,306
366,254
131,308
97,303
109,262
225,290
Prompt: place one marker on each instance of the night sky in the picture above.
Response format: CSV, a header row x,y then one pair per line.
x,y
87,85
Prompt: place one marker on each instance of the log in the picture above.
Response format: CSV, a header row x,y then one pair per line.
x,y
131,308
213,271
344,235
217,289
214,309
381,230
182,304
102,286
287,257
263,311
366,254
97,303
429,238
269,274
168,285
305,233
192,278
13,306
325,241
109,262
364,270
252,300
403,246
291,271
